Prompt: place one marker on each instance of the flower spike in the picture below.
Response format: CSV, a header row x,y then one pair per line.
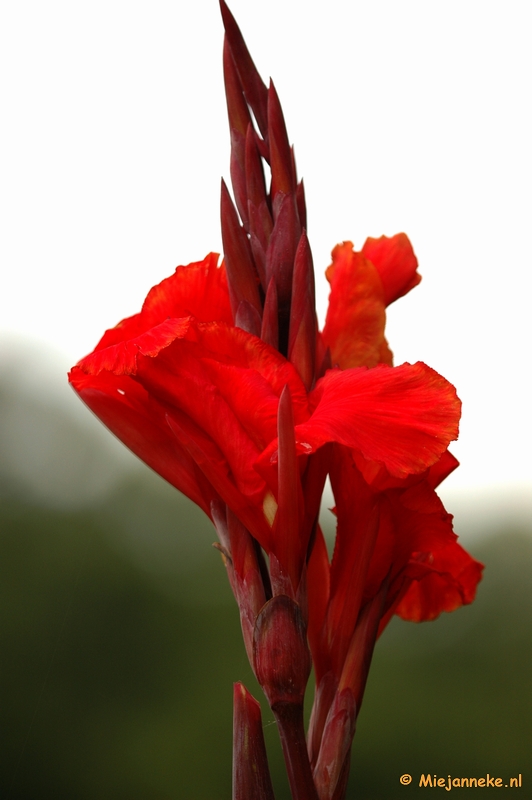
x,y
272,221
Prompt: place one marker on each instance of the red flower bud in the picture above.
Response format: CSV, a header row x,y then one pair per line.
x,y
303,328
282,246
251,775
237,108
336,742
270,319
281,658
238,175
283,178
241,275
253,87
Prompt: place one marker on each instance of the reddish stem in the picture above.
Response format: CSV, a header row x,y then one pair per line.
x,y
289,718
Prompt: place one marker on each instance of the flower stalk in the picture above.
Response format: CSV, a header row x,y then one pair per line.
x,y
225,386
289,718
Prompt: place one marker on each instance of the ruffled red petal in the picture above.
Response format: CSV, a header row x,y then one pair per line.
x,y
403,417
445,581
396,263
220,388
384,537
198,289
413,520
354,328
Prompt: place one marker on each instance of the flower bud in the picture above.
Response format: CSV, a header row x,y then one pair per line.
x,y
251,775
336,743
281,658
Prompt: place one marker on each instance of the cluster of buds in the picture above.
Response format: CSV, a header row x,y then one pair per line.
x,y
270,275
267,255
224,385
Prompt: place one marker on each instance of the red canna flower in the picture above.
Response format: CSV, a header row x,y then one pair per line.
x,y
224,386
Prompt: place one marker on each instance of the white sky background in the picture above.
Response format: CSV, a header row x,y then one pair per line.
x,y
406,115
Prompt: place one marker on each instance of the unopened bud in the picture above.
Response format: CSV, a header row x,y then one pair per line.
x,y
335,744
241,274
248,318
282,246
251,775
283,179
302,336
253,87
281,657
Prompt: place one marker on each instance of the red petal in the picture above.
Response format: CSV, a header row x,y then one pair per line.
x,y
220,387
228,384
404,416
442,469
448,581
413,521
138,421
358,523
248,507
122,358
354,328
198,290
396,264
381,480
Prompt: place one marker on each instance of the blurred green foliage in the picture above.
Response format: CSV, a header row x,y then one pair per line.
x,y
120,640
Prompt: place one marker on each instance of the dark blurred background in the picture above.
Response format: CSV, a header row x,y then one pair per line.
x,y
120,639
